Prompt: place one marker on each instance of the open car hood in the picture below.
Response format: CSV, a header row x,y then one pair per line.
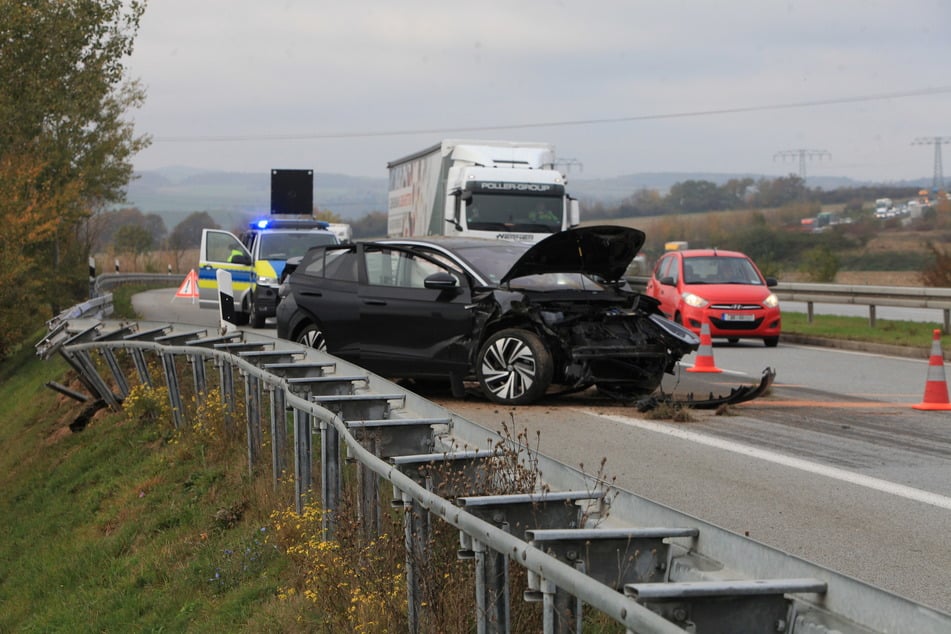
x,y
604,251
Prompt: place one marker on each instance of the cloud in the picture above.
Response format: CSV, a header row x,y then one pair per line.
x,y
374,71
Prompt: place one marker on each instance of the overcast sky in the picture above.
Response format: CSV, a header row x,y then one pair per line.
x,y
618,86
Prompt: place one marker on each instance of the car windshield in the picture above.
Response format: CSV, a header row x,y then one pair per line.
x,y
513,212
718,269
494,261
289,244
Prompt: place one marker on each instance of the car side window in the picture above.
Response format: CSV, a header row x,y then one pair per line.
x,y
221,246
667,267
335,264
386,267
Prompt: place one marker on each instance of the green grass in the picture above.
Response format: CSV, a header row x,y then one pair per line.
x,y
114,528
901,333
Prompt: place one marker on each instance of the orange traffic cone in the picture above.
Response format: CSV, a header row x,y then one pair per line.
x,y
704,361
936,386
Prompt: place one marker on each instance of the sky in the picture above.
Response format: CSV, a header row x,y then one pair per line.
x,y
619,86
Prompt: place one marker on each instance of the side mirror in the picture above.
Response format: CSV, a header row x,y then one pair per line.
x,y
241,259
667,281
440,281
574,213
771,281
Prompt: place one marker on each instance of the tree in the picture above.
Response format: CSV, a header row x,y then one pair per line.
x,y
694,196
373,225
134,240
187,234
65,143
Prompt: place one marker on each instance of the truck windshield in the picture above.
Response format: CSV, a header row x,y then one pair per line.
x,y
513,212
289,244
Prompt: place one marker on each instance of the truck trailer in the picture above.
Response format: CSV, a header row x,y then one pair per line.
x,y
491,189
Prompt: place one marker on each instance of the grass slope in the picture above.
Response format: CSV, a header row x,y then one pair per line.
x,y
123,527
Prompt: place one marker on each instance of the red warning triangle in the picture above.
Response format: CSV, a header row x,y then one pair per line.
x,y
189,287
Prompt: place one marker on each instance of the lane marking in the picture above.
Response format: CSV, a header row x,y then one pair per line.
x,y
869,482
826,404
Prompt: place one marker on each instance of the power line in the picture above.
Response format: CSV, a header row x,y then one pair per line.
x,y
937,182
551,124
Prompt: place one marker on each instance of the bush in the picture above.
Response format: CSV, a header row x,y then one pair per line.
x,y
820,264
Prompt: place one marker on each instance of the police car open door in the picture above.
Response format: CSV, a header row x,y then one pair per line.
x,y
222,250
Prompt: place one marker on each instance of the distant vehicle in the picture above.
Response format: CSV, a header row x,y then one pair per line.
x,y
884,208
513,316
725,289
256,261
343,231
508,190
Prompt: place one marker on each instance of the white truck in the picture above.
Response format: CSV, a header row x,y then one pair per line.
x,y
492,189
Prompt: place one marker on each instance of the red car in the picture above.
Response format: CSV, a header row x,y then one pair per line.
x,y
723,288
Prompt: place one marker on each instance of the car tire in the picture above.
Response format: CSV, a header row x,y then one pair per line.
x,y
514,367
771,342
312,337
255,318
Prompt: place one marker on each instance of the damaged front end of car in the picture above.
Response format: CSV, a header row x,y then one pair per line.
x,y
615,340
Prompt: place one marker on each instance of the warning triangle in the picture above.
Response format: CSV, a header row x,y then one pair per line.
x,y
189,287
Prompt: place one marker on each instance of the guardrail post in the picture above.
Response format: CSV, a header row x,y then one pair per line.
x,y
278,433
415,551
86,369
330,476
368,482
117,373
138,357
226,380
303,451
174,395
871,315
252,389
492,584
198,375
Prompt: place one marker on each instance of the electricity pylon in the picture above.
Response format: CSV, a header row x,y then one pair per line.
x,y
938,181
803,155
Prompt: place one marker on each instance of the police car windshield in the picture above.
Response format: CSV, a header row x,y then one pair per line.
x,y
289,244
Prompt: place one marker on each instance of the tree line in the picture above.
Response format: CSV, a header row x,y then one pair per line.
x,y
65,146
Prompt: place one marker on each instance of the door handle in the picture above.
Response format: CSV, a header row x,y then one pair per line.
x,y
374,302
312,293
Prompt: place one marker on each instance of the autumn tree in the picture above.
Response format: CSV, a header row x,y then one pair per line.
x,y
65,145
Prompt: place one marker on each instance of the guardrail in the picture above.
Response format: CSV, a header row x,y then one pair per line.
x,y
646,566
856,294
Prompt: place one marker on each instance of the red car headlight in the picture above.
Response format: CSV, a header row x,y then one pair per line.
x,y
695,301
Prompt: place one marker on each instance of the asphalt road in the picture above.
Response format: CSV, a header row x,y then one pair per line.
x,y
833,465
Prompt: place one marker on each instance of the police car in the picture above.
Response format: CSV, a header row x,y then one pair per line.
x,y
255,260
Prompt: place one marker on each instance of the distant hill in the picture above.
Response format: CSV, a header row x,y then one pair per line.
x,y
235,198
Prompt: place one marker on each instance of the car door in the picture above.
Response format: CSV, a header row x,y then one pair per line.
x,y
406,328
667,269
222,250
326,289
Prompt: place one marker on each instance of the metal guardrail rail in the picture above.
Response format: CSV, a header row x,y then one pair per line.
x,y
687,575
856,294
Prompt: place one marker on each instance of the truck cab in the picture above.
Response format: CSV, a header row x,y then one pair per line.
x,y
255,259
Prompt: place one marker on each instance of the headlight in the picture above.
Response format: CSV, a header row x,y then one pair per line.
x,y
694,300
267,281
771,302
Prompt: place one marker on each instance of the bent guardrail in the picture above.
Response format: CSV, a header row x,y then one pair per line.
x,y
648,567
